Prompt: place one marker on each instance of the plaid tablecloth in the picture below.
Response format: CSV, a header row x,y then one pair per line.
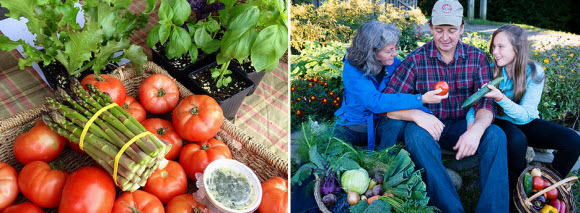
x,y
263,115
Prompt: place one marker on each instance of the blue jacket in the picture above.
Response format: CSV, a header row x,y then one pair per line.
x,y
363,99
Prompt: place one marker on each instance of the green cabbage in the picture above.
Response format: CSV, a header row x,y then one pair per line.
x,y
356,180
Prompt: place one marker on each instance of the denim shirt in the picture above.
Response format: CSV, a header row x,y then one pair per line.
x,y
363,99
527,110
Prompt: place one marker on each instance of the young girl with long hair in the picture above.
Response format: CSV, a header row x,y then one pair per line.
x,y
518,97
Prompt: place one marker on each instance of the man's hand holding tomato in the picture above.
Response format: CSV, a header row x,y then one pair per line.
x,y
437,95
428,121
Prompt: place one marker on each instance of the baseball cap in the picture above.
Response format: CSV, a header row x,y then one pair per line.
x,y
447,12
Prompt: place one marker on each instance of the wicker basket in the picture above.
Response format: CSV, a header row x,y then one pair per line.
x,y
317,195
523,203
244,149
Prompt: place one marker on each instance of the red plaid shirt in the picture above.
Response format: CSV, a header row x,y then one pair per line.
x,y
468,71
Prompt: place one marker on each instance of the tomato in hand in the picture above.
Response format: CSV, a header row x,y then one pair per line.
x,y
41,184
134,108
274,195
184,204
197,118
443,86
88,190
26,207
8,185
164,130
109,85
137,201
195,157
158,94
168,182
39,143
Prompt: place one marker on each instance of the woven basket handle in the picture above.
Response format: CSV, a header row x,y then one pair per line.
x,y
573,178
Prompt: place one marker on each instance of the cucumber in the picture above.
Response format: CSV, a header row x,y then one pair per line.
x,y
479,94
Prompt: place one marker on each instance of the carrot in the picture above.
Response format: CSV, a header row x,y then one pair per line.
x,y
371,199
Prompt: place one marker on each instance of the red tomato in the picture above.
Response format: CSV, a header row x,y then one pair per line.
x,y
197,118
274,195
443,86
184,204
39,143
26,207
136,110
42,185
168,182
109,85
138,201
75,147
195,157
8,185
158,94
547,184
88,190
552,194
164,130
538,183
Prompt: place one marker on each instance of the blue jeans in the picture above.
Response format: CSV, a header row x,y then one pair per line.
x,y
387,132
492,154
544,135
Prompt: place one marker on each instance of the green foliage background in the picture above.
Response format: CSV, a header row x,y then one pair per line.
x,y
559,15
338,21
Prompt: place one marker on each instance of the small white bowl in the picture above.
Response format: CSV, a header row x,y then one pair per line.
x,y
239,167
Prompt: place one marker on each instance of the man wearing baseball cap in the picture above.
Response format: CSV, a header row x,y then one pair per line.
x,y
466,69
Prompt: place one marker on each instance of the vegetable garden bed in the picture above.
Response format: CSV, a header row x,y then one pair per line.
x,y
243,148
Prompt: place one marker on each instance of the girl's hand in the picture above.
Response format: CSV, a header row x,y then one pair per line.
x,y
432,97
494,93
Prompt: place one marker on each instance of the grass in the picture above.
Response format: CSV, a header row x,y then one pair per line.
x,y
576,188
469,193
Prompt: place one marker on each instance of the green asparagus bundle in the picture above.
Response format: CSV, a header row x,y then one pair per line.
x,y
107,134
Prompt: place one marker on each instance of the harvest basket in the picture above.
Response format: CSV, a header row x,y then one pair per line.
x,y
317,195
244,149
523,203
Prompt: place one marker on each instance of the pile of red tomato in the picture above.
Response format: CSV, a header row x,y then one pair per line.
x,y
196,118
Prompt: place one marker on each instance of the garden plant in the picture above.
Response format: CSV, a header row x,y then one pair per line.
x,y
321,35
107,28
253,31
